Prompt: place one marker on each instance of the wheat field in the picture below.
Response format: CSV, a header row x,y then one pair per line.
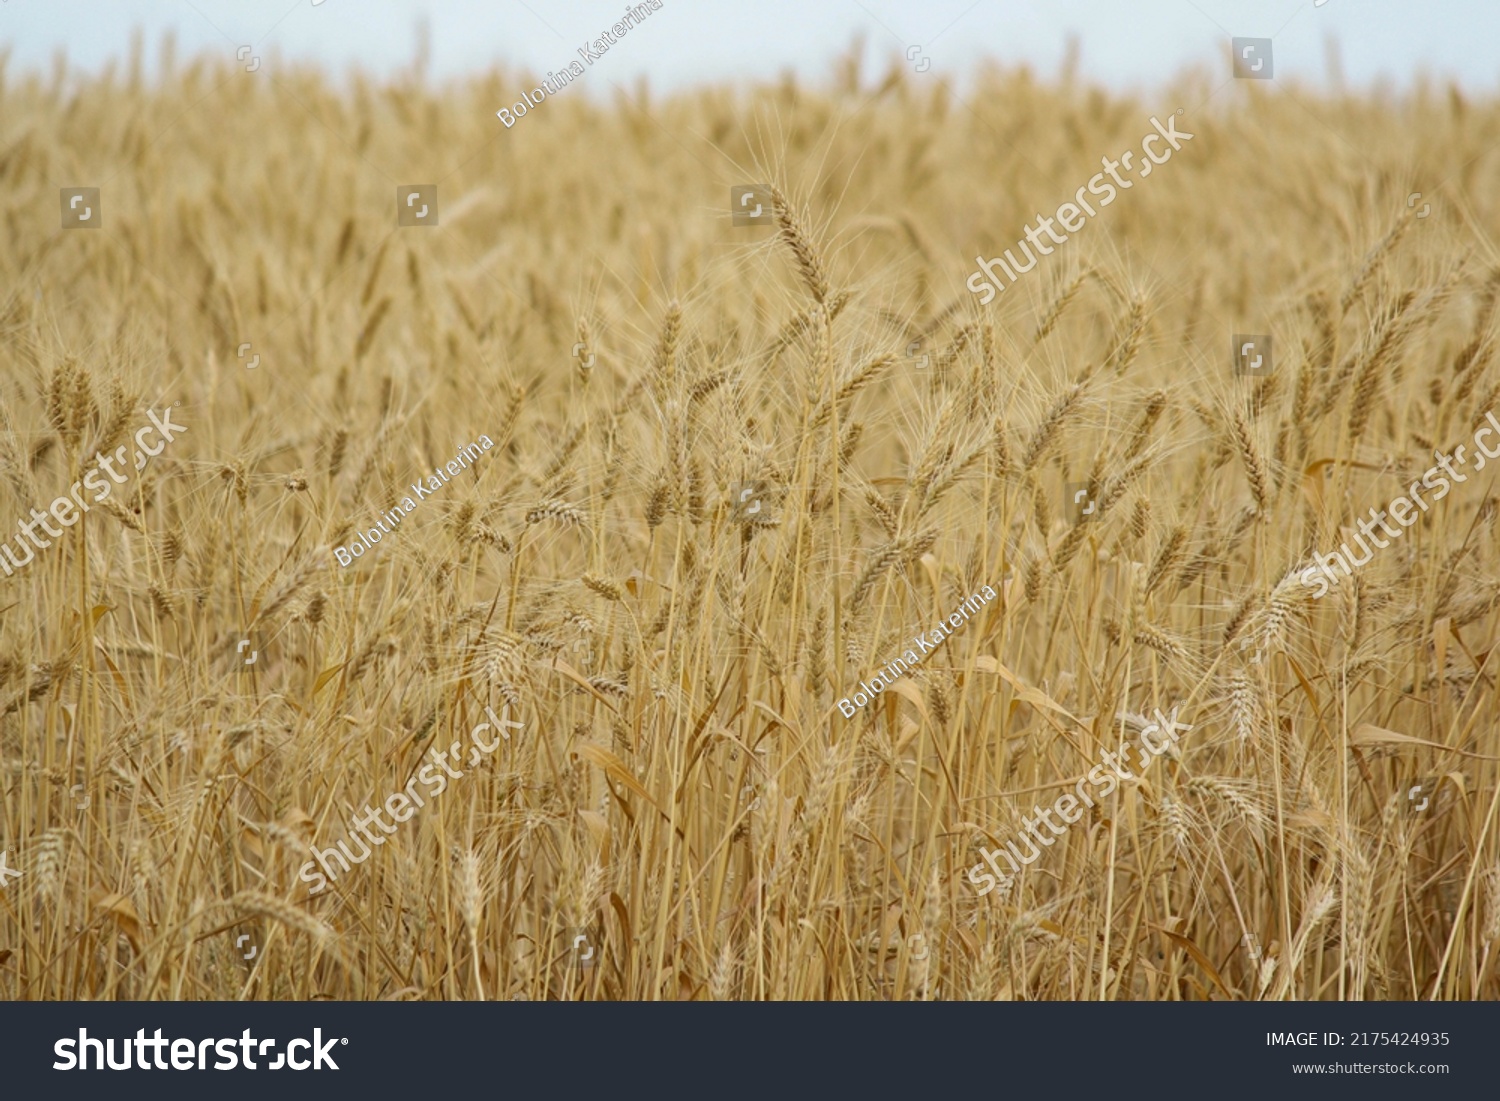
x,y
684,811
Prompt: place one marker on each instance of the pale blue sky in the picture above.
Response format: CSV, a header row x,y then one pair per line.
x,y
1122,43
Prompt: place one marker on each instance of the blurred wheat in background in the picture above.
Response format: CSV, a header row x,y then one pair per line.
x,y
685,797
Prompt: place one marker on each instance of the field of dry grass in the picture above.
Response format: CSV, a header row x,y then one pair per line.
x,y
685,792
